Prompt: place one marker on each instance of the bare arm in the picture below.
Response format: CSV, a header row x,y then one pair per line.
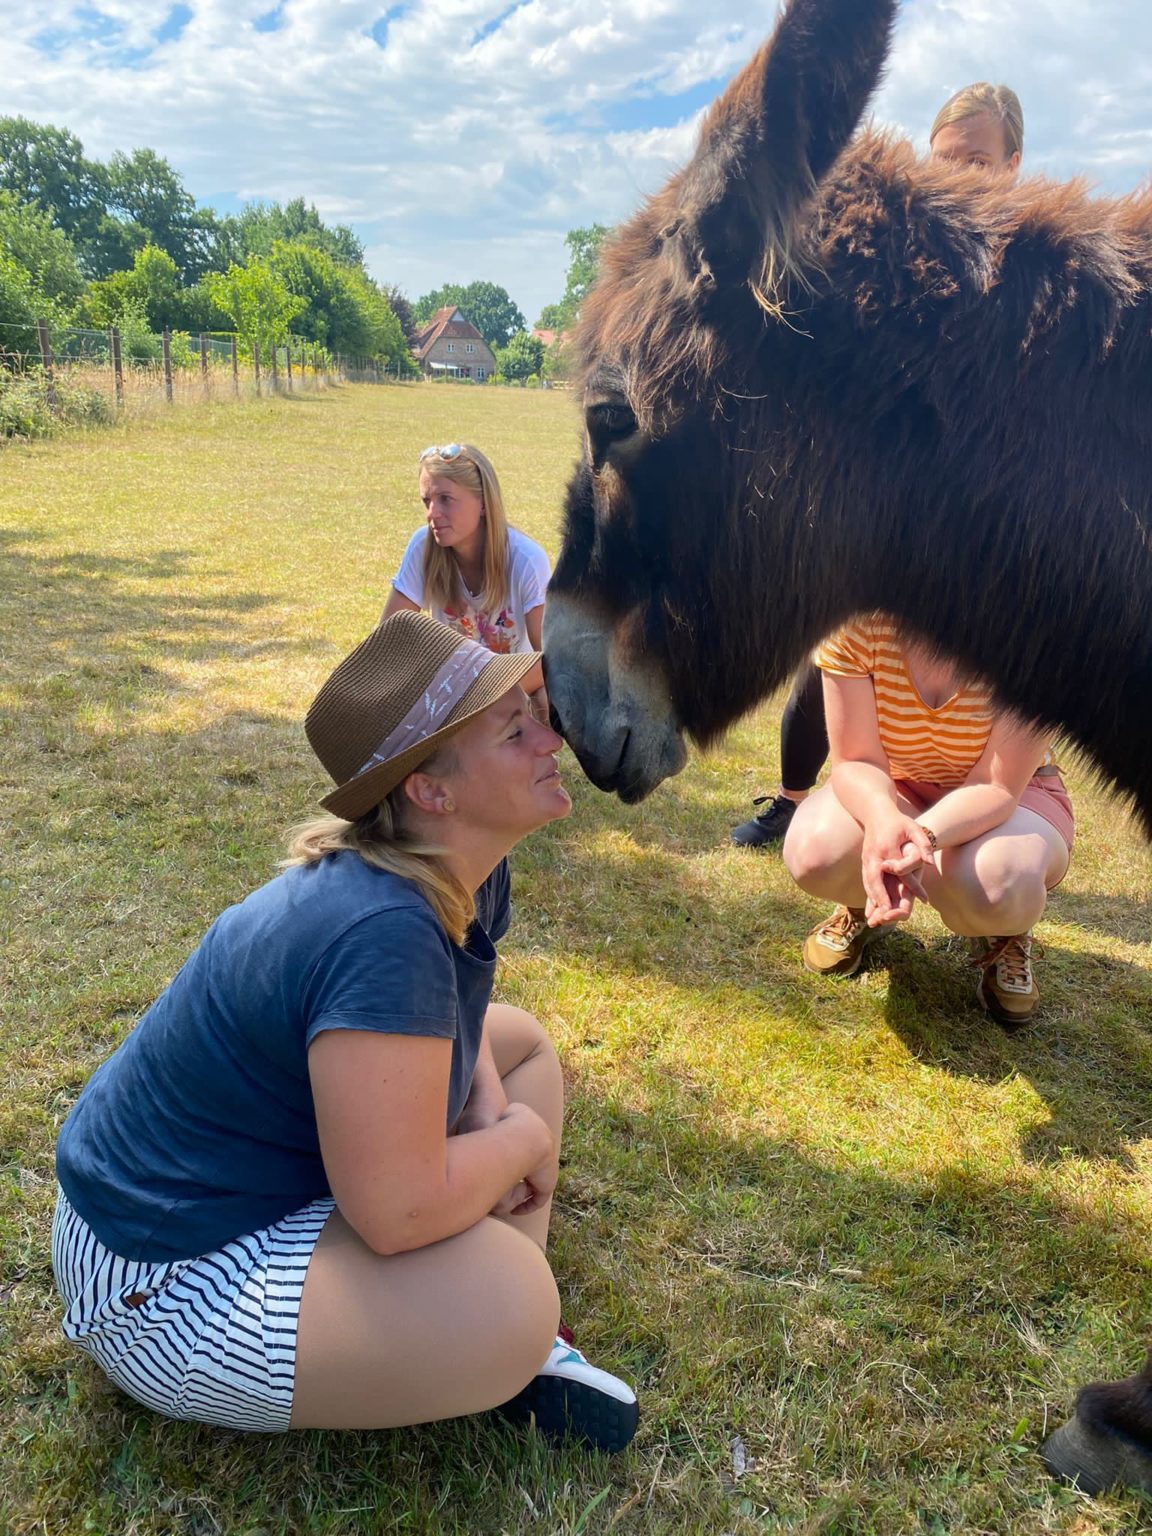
x,y
894,843
533,682
487,1100
992,790
399,1180
398,603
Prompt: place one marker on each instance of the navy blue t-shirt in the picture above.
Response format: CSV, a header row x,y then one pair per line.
x,y
201,1126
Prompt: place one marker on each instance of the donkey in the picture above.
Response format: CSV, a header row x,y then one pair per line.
x,y
821,377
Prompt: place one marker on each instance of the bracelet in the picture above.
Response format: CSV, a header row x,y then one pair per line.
x,y
933,840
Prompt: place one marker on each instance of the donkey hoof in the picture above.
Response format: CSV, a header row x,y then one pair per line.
x,y
1094,1457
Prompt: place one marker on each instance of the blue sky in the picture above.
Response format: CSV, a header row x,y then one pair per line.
x,y
462,138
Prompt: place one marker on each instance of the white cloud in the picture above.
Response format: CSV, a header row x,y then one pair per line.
x,y
464,149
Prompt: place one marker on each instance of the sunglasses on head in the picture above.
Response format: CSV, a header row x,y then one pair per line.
x,y
449,452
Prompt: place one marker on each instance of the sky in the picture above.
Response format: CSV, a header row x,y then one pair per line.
x,y
461,139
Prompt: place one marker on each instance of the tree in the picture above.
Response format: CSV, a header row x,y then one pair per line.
x,y
402,309
583,265
522,357
486,305
153,203
257,302
150,289
29,239
345,310
46,166
259,226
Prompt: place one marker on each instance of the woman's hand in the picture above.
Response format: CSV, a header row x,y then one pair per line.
x,y
536,1187
894,850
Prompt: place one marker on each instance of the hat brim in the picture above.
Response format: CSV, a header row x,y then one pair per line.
x,y
363,793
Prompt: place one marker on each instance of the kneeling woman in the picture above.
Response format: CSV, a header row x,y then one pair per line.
x,y
312,1187
933,794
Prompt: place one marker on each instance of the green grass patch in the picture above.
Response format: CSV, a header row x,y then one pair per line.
x,y
853,1227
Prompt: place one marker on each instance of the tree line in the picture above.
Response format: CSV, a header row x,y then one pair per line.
x,y
92,244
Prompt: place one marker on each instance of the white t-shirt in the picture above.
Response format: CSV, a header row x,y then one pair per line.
x,y
502,631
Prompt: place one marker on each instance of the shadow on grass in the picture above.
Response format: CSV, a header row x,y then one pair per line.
x,y
1088,1055
860,1332
92,626
1108,915
631,890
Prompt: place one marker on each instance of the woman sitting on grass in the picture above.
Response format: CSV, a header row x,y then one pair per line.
x,y
933,794
312,1188
468,567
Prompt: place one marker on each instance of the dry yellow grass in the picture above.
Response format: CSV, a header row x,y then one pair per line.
x,y
854,1225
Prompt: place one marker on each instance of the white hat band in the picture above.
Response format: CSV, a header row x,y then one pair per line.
x,y
435,704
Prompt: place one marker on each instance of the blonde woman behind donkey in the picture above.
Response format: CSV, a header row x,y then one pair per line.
x,y
468,568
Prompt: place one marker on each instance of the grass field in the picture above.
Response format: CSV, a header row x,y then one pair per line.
x,y
852,1227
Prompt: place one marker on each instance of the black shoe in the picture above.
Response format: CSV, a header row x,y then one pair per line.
x,y
768,825
572,1400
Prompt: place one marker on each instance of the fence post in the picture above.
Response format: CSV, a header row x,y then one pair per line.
x,y
204,360
117,365
256,364
275,371
166,346
47,363
235,368
288,364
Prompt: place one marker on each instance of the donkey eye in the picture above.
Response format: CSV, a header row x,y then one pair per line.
x,y
609,420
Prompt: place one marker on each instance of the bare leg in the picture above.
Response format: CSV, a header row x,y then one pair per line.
x,y
998,883
822,849
453,1328
527,1063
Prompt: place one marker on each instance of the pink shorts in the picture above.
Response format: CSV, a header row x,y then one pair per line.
x,y
1044,793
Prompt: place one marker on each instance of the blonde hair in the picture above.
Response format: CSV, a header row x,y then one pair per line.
x,y
443,586
382,839
998,101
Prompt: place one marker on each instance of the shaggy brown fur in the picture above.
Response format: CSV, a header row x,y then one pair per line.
x,y
914,388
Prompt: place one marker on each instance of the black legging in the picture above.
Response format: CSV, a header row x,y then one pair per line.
x,y
803,733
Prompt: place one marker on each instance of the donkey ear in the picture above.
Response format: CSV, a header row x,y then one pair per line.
x,y
778,128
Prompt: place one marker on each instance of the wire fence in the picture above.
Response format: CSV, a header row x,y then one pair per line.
x,y
52,374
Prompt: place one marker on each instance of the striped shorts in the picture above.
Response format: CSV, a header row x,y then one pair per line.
x,y
212,1338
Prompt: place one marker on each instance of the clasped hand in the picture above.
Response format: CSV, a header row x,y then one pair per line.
x,y
894,852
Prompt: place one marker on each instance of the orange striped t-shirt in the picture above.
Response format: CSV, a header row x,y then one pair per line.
x,y
934,746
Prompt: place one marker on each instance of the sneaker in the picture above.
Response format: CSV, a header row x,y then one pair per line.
x,y
836,946
1007,987
767,826
570,1399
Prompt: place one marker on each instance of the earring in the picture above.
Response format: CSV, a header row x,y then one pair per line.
x,y
449,806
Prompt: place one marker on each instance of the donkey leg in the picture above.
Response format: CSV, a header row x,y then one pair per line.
x,y
1108,1439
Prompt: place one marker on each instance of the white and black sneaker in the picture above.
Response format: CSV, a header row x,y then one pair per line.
x,y
572,1400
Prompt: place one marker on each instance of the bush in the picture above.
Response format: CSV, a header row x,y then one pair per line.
x,y
24,409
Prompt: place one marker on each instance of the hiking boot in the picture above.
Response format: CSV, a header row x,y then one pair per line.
x,y
836,946
1007,987
768,825
570,1399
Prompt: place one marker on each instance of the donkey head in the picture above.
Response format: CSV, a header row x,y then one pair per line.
x,y
650,619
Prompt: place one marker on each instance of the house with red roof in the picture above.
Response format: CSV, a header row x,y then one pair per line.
x,y
451,347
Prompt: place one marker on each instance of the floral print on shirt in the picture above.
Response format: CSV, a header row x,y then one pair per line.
x,y
497,634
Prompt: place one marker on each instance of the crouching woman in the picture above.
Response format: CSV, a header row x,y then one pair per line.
x,y
312,1188
934,794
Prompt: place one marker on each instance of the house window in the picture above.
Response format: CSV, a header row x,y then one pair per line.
x,y
451,346
481,373
469,346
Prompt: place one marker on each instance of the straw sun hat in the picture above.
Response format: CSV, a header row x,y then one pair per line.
x,y
401,694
